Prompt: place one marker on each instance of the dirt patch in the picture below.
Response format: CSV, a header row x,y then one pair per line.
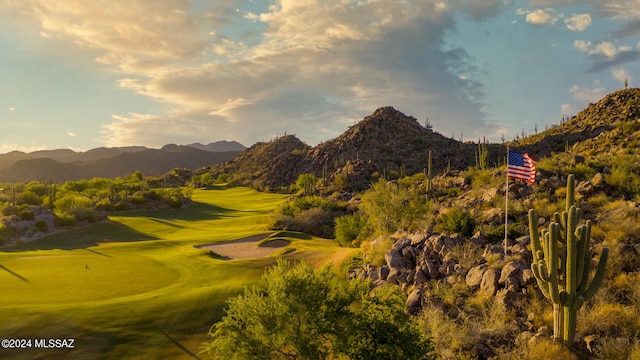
x,y
245,248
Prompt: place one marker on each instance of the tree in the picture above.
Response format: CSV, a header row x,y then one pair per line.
x,y
298,312
391,207
306,182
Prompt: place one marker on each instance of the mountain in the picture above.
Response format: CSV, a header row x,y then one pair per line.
x,y
63,165
384,142
390,142
220,146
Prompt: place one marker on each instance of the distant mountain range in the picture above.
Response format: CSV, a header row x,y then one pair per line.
x,y
65,164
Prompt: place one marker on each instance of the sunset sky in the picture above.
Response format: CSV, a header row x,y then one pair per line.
x,y
84,74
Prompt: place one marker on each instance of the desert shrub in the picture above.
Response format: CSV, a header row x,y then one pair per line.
x,y
457,221
64,220
608,319
121,206
41,226
300,204
349,228
26,214
374,250
541,348
37,188
623,179
78,206
496,234
391,207
152,195
29,197
8,210
6,233
175,202
301,312
582,171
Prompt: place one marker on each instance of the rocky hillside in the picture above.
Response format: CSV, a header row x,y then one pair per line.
x,y
609,124
390,142
385,142
267,165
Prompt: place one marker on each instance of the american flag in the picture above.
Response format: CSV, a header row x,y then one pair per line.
x,y
521,166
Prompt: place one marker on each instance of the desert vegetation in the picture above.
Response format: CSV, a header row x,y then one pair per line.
x,y
413,223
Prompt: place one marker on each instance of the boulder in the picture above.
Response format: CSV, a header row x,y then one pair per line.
x,y
414,301
489,283
395,260
474,276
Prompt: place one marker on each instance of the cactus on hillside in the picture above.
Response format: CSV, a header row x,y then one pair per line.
x,y
482,155
429,176
561,264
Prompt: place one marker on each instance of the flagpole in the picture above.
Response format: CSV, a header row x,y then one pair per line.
x,y
506,207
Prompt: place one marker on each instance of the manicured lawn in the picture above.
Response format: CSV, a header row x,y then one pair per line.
x,y
135,286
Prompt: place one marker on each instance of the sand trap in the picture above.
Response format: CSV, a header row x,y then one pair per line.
x,y
246,248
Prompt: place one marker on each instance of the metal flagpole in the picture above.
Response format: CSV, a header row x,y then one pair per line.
x,y
506,208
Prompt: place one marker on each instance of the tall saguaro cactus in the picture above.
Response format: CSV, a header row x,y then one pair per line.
x,y
561,264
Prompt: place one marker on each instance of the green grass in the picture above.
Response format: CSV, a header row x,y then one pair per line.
x,y
134,286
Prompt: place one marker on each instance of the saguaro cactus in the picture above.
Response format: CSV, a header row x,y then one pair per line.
x,y
561,264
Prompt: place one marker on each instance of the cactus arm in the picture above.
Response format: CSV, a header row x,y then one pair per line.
x,y
571,191
553,263
598,277
583,233
533,232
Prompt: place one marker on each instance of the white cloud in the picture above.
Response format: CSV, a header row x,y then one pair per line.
x,y
621,74
11,109
543,16
578,22
72,134
586,94
130,29
605,48
582,45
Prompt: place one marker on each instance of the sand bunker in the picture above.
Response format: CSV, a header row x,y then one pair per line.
x,y
246,248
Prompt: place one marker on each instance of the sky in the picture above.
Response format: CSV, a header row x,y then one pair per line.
x,y
82,74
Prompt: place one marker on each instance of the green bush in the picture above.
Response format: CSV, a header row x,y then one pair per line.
x,y
42,226
26,214
64,220
299,312
349,228
457,221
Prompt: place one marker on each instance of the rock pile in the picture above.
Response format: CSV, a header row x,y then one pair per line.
x,y
416,259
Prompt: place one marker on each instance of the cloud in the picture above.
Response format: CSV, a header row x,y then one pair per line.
x,y
621,74
72,134
309,70
601,62
578,22
582,45
540,16
11,109
586,94
315,70
127,31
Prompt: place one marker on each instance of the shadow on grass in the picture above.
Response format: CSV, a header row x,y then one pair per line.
x,y
293,234
195,211
14,273
81,238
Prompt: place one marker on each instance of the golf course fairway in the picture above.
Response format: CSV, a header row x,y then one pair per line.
x,y
138,285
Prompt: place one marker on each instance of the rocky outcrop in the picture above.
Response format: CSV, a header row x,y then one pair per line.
x,y
416,259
